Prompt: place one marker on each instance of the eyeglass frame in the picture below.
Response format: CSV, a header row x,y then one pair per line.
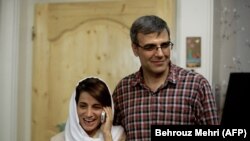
x,y
155,47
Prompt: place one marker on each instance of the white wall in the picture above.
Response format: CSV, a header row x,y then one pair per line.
x,y
25,70
195,18
8,71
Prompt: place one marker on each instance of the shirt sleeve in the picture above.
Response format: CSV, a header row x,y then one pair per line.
x,y
117,112
207,110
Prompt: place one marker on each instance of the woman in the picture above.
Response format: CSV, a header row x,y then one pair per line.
x,y
91,98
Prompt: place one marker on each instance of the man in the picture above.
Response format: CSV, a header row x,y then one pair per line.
x,y
160,93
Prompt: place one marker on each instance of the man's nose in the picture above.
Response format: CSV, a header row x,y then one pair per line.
x,y
159,51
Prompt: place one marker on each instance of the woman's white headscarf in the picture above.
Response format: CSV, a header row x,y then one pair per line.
x,y
73,130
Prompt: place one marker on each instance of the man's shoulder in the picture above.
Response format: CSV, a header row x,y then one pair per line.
x,y
180,71
183,73
125,82
128,78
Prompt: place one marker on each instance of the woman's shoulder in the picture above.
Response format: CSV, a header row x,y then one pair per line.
x,y
58,137
118,133
117,128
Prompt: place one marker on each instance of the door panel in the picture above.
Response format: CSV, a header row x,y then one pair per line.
x,y
76,40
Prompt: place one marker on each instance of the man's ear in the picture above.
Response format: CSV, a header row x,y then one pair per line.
x,y
135,49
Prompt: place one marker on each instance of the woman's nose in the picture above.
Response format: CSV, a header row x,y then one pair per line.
x,y
89,112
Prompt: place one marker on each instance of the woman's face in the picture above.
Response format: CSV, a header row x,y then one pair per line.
x,y
89,113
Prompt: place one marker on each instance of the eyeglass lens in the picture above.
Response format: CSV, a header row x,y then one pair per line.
x,y
151,47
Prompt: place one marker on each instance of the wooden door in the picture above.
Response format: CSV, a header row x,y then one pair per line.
x,y
76,40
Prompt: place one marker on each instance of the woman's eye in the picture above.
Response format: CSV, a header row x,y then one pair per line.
x,y
98,107
83,106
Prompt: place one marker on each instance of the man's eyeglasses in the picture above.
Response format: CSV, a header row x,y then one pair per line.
x,y
151,47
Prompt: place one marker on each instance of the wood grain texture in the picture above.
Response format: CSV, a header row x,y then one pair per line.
x,y
76,40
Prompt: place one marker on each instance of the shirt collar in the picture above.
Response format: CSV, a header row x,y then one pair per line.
x,y
138,77
172,76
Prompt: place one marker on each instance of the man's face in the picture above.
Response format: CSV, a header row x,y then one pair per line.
x,y
154,61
